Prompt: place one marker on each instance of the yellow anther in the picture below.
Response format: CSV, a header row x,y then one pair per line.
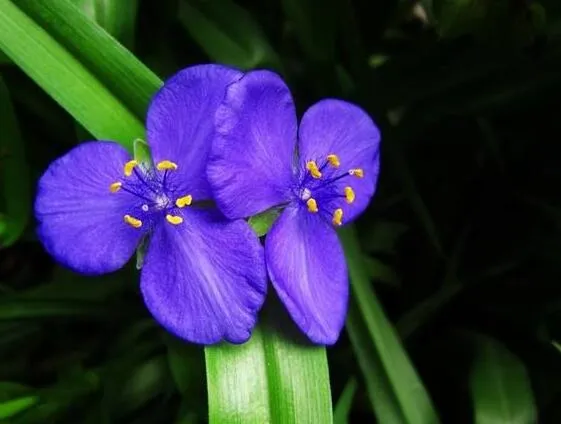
x,y
312,205
333,160
357,172
173,219
133,222
349,195
115,187
165,165
337,217
312,166
184,201
129,166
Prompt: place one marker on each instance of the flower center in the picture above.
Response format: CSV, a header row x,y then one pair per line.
x,y
152,187
319,191
305,194
161,202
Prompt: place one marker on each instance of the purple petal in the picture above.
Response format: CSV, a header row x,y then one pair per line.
x,y
80,220
337,127
250,165
204,280
180,122
308,270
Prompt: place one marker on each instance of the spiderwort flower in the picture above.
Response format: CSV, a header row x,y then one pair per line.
x,y
323,174
203,276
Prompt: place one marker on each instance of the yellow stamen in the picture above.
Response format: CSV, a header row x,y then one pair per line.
x,y
349,195
312,166
312,205
129,166
337,217
357,172
333,160
115,187
133,222
184,201
165,165
173,219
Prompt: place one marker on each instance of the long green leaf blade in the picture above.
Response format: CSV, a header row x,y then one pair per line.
x,y
396,391
345,403
237,383
270,379
13,407
64,78
117,68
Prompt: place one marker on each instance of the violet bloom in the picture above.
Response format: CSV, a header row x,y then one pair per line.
x,y
203,276
323,174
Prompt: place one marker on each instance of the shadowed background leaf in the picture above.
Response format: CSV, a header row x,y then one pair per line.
x,y
118,18
500,387
14,174
228,34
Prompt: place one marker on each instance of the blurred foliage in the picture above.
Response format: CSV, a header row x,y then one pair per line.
x,y
456,276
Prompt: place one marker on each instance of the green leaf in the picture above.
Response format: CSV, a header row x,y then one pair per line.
x,y
58,398
345,403
401,166
23,309
383,236
10,390
186,365
142,152
117,17
315,24
491,22
14,178
423,311
69,286
262,222
500,387
115,67
456,17
269,379
141,250
396,392
227,33
64,78
143,383
379,272
4,59
13,334
13,407
184,416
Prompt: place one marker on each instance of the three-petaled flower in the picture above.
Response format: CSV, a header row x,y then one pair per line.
x,y
203,276
323,174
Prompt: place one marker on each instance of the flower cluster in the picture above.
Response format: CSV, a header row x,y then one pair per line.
x,y
225,145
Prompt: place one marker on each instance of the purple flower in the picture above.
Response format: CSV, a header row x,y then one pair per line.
x,y
203,276
323,174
